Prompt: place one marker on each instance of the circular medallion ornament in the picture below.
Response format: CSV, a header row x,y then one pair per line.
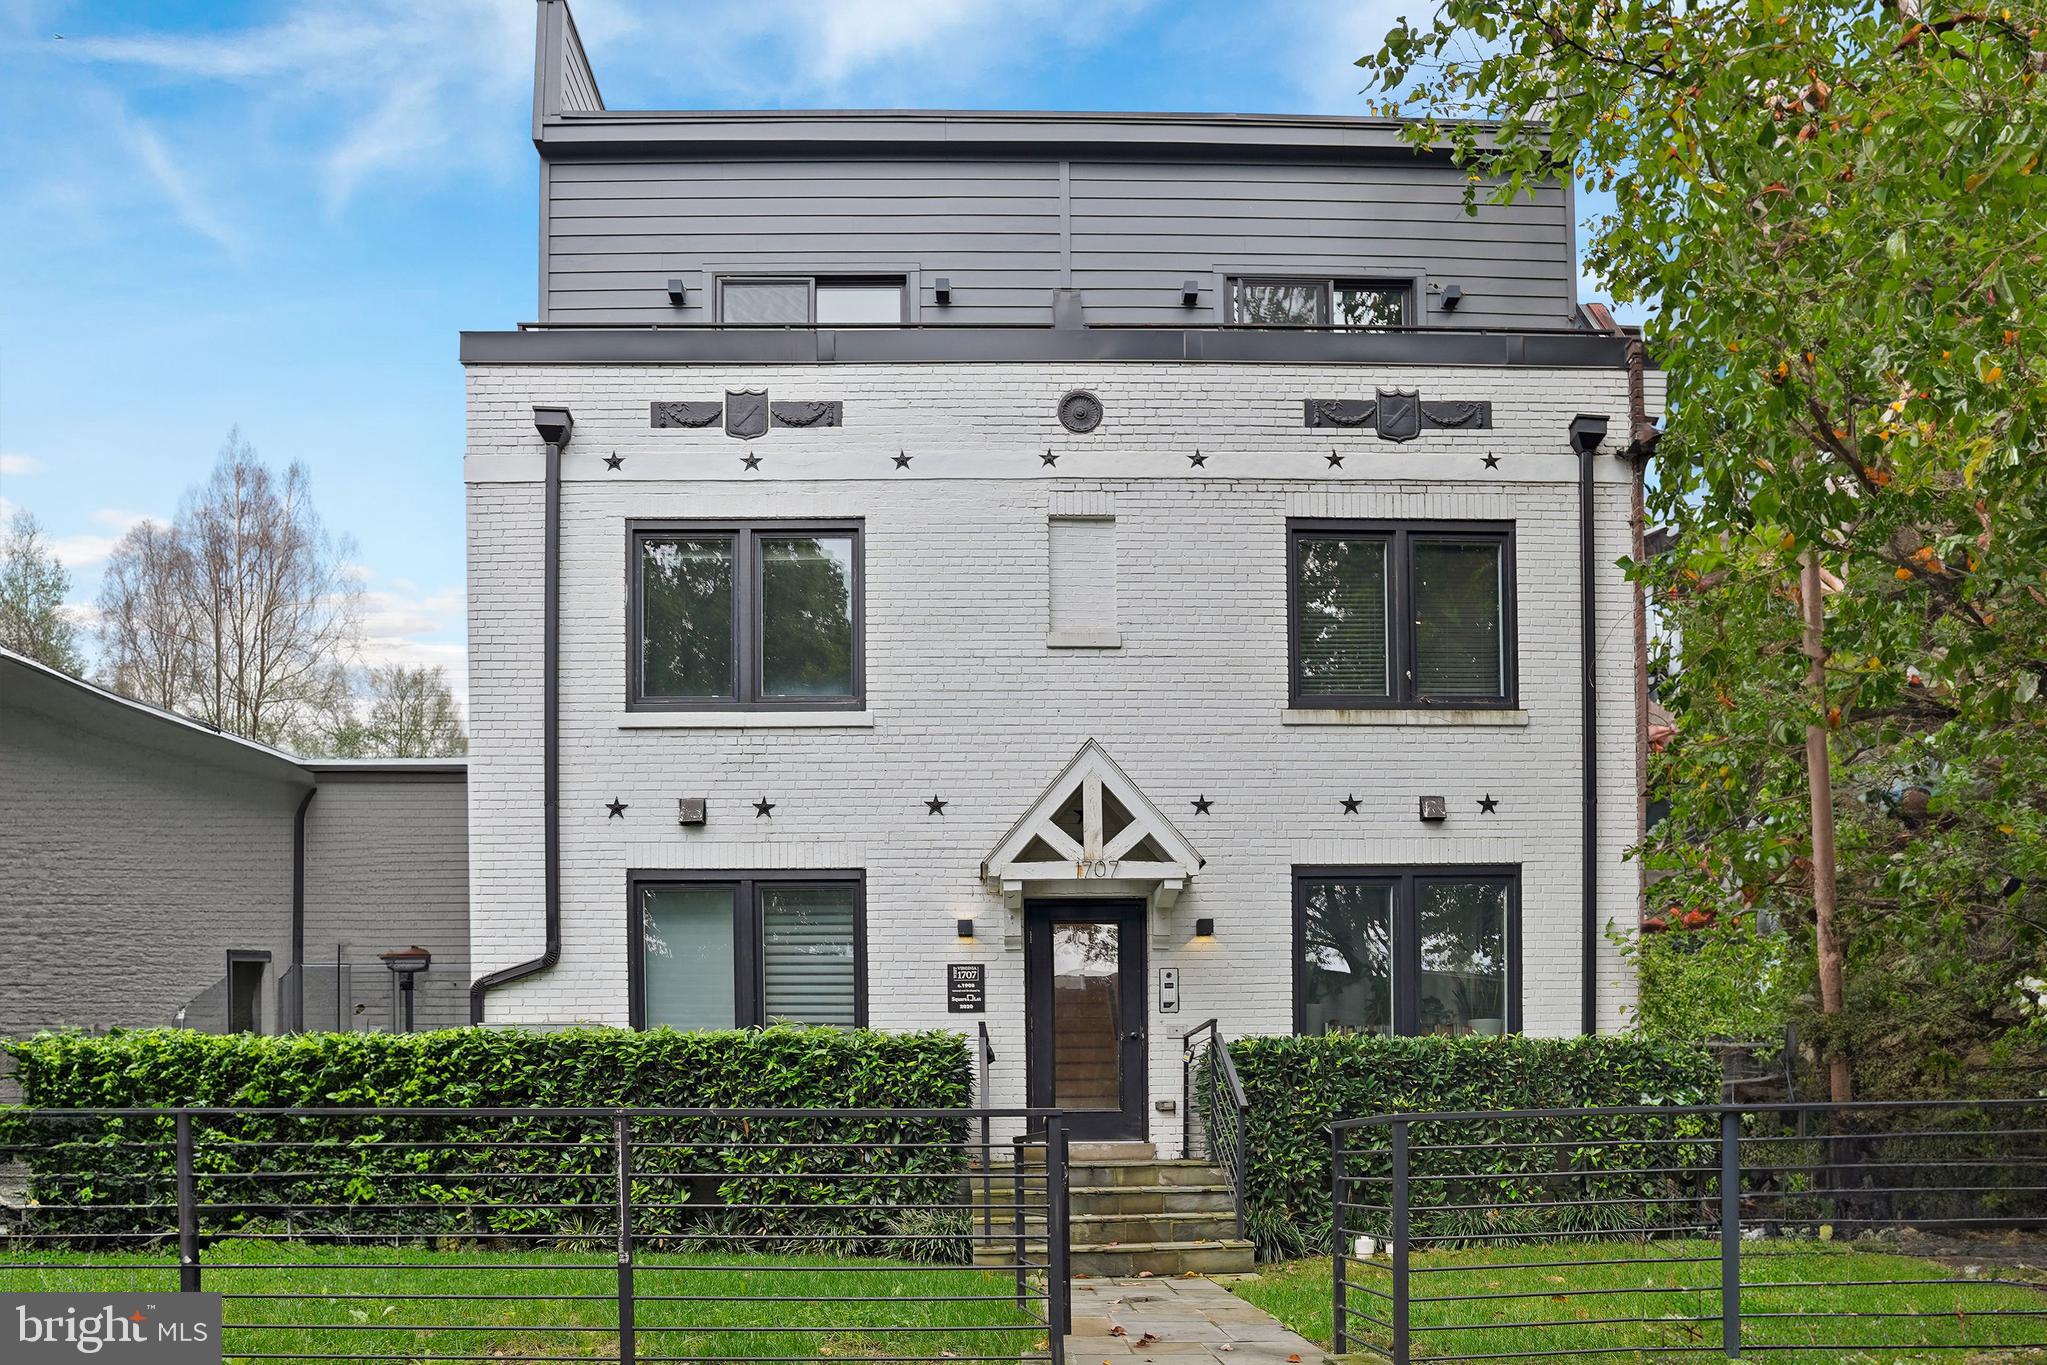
x,y
1080,412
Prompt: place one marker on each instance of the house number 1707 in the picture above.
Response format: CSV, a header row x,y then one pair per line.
x,y
1100,867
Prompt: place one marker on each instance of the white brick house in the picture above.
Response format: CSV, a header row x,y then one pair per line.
x,y
871,638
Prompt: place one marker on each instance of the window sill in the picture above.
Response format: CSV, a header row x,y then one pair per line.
x,y
746,720
1097,638
1401,715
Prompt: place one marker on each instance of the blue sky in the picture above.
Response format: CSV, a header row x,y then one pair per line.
x,y
280,214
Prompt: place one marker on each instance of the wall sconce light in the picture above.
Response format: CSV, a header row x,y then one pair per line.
x,y
1453,294
678,293
1204,928
1190,293
964,927
1434,809
941,289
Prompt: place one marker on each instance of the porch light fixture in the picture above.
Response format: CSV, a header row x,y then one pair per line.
x,y
1190,293
405,965
678,293
1204,928
964,927
941,289
1453,294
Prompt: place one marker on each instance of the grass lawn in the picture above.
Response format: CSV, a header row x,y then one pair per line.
x,y
1790,1280
294,1298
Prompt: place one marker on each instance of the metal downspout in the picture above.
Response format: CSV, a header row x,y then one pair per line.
x,y
550,736
297,1005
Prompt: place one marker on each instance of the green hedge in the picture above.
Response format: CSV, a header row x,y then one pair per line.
x,y
1297,1087
344,1175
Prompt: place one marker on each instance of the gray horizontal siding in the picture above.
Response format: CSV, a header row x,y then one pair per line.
x,y
617,230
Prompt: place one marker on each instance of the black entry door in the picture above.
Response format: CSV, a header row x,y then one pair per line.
x,y
1084,990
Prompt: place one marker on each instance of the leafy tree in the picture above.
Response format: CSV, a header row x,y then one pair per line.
x,y
32,588
241,612
395,712
1838,212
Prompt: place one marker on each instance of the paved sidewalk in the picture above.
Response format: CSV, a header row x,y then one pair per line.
x,y
1169,1320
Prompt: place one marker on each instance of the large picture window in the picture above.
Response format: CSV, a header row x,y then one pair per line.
x,y
1435,951
730,617
721,950
1401,614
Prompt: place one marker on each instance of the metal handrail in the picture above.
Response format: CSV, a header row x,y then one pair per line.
x,y
1225,1133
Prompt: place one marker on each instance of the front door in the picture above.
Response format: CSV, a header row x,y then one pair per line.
x,y
1084,991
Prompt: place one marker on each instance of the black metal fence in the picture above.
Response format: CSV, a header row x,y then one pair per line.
x,y
593,1234
1878,1231
1213,1108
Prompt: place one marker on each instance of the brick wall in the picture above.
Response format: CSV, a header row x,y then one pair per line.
x,y
967,701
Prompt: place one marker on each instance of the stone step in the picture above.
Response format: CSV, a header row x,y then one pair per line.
x,y
1107,1229
1033,1153
1210,1256
1085,1199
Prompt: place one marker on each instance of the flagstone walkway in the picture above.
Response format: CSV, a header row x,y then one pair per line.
x,y
1185,1320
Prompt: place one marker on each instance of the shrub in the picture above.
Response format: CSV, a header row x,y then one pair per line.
x,y
465,1176
1724,980
1298,1086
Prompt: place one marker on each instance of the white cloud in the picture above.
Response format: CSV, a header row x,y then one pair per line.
x,y
19,465
419,628
87,549
194,205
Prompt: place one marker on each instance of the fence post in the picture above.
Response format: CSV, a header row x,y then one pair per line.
x,y
188,1206
1017,1241
1336,1273
622,1146
1730,1233
1058,1278
1400,1242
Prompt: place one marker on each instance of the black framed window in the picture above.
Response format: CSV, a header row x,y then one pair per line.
x,y
1317,301
737,949
1402,950
806,300
1401,614
758,616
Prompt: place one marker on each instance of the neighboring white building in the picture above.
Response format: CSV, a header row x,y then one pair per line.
x,y
1042,571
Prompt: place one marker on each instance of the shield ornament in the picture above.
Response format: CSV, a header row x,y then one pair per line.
x,y
746,413
1399,414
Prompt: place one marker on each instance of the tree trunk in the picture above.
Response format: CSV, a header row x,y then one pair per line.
x,y
1820,784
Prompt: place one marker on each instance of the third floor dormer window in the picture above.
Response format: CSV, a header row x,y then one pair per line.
x,y
812,300
1318,301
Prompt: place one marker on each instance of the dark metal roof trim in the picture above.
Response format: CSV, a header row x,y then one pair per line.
x,y
884,346
385,769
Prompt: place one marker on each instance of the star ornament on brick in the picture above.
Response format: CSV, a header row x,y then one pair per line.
x,y
1492,461
1351,804
1488,803
1335,460
1201,805
935,806
752,462
1197,459
763,807
902,459
617,809
1048,458
613,460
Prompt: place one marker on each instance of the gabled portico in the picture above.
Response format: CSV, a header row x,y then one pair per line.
x,y
1093,833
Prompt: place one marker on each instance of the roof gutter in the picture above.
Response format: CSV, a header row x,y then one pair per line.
x,y
555,424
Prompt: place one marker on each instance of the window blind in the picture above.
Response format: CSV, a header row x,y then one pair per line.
x,y
1458,620
1341,624
807,954
688,980
765,302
